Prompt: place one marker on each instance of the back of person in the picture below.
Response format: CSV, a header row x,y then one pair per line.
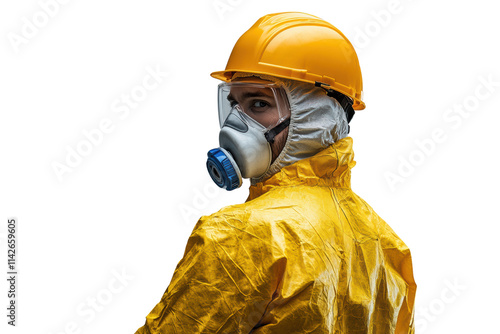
x,y
346,271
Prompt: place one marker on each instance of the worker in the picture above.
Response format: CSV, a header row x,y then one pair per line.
x,y
304,253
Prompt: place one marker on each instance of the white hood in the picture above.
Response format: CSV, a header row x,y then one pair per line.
x,y
316,122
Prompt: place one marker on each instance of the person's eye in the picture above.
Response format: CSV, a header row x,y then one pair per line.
x,y
260,105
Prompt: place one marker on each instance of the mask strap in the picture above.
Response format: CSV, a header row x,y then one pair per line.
x,y
276,130
344,101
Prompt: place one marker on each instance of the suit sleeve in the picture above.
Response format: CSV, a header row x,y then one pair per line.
x,y
223,283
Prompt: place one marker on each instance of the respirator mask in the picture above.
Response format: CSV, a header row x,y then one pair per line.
x,y
251,114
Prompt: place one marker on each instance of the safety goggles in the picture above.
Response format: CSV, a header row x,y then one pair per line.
x,y
265,104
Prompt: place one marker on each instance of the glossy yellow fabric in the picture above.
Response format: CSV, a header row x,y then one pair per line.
x,y
303,254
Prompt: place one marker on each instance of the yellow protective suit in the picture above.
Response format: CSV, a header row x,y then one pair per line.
x,y
303,254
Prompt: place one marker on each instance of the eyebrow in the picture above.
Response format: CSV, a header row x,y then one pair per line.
x,y
247,95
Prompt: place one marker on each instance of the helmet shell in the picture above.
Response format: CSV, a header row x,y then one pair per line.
x,y
301,47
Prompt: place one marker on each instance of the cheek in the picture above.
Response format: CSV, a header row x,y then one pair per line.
x,y
280,140
279,143
269,118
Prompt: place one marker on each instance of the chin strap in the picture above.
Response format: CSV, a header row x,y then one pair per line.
x,y
344,101
270,134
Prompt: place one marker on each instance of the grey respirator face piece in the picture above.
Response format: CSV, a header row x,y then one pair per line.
x,y
251,114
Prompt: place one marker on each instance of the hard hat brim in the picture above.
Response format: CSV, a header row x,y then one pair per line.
x,y
228,74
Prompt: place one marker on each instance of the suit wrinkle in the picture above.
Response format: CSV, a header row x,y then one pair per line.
x,y
251,234
343,212
323,242
299,256
221,261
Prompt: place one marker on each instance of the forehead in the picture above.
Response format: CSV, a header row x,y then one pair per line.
x,y
247,91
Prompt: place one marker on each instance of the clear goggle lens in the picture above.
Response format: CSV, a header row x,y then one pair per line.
x,y
265,104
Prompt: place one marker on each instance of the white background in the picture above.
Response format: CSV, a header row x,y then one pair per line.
x,y
129,206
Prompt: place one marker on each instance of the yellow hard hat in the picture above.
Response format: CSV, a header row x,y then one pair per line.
x,y
301,47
